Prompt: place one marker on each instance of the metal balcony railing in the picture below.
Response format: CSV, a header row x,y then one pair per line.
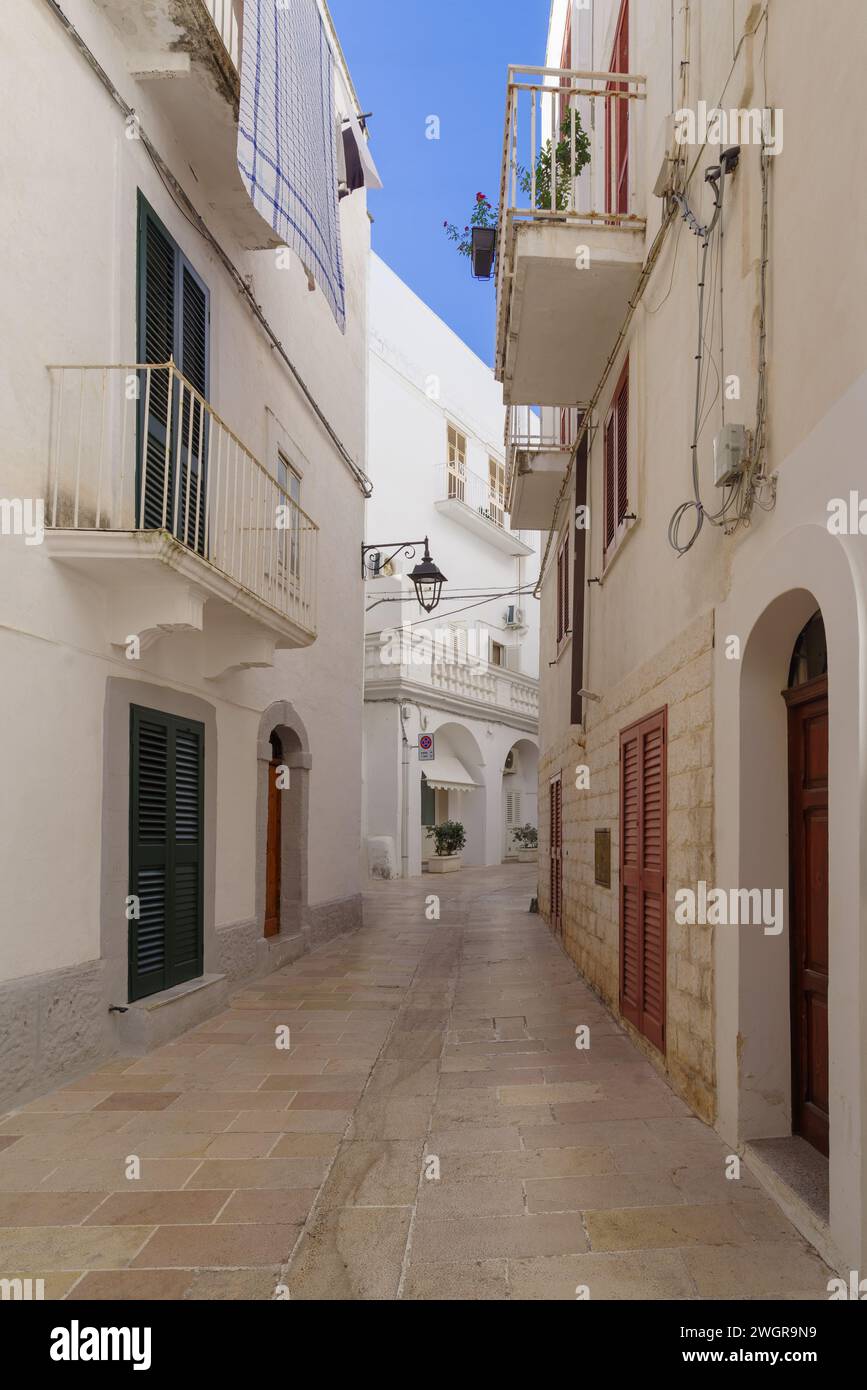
x,y
593,115
138,448
482,495
544,429
227,18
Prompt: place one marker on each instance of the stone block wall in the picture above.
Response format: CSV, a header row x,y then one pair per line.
x,y
680,678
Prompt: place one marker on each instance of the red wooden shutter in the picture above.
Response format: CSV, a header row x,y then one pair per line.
x,y
610,480
556,852
642,876
563,590
622,415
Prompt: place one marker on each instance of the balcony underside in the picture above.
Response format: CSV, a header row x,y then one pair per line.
x,y
482,526
559,322
173,48
155,586
537,481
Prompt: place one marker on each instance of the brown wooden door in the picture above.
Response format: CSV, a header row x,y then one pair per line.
x,y
808,915
642,876
556,854
273,852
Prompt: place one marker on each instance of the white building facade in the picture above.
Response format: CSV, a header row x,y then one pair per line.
x,y
178,647
465,676
703,643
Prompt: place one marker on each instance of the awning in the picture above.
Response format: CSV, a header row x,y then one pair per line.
x,y
446,773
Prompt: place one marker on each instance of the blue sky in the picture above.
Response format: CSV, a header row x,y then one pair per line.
x,y
411,59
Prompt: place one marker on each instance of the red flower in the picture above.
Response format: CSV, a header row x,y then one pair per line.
x,y
480,198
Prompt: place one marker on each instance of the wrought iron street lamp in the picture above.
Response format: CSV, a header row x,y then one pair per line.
x,y
427,579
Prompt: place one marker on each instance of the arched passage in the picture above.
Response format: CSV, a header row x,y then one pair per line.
x,y
805,570
520,791
282,822
457,777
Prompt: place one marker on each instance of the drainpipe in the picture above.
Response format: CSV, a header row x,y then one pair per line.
x,y
404,796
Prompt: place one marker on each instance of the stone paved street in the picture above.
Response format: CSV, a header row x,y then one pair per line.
x,y
306,1169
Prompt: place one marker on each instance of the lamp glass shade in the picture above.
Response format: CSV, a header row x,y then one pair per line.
x,y
428,582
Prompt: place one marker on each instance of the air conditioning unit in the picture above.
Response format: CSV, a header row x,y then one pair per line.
x,y
514,616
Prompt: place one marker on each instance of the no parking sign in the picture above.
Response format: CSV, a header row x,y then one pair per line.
x,y
425,748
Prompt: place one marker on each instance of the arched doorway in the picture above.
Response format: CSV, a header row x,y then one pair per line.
x,y
520,794
274,839
806,699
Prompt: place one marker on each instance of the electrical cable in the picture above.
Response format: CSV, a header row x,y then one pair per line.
x,y
190,212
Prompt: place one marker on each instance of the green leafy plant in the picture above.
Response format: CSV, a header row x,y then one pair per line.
x,y
484,214
450,837
527,836
564,166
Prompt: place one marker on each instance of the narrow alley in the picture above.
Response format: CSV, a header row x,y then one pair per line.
x,y
226,1166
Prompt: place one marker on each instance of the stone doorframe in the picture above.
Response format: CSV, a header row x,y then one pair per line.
x,y
282,719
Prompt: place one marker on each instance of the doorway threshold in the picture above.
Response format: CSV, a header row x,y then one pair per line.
x,y
796,1176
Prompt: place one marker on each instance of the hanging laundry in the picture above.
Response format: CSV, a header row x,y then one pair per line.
x,y
286,150
359,168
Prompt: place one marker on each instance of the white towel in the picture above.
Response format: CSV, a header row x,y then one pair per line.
x,y
286,148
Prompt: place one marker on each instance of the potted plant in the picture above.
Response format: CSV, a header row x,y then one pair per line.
x,y
563,157
526,837
449,840
478,240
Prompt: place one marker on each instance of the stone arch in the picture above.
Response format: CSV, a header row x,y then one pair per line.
x,y
524,779
281,718
468,807
806,570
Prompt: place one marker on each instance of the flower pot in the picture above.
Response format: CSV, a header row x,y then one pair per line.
x,y
484,251
527,856
444,863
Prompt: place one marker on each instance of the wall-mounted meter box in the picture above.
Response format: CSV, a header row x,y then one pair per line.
x,y
730,452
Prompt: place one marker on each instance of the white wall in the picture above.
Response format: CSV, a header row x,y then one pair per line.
x,y
422,377
68,285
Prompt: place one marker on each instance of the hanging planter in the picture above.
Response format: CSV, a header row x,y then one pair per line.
x,y
484,251
478,240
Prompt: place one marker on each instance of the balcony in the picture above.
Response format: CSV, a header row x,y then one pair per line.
x,y
539,443
155,499
433,665
478,505
188,53
571,237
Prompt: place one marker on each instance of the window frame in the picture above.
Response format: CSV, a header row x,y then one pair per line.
x,y
563,625
615,426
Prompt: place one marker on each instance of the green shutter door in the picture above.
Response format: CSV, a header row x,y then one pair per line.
x,y
166,850
173,322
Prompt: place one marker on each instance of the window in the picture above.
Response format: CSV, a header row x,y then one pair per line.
x,y
498,654
497,490
173,323
563,590
428,803
566,58
617,122
616,476
457,463
289,554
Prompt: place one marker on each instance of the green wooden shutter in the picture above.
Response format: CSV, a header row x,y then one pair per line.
x,y
173,323
166,850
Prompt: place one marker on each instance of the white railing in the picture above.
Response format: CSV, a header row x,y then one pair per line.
x,y
227,18
538,429
444,659
138,448
457,483
542,429
588,180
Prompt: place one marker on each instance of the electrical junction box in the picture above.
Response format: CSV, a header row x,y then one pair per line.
x,y
730,450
